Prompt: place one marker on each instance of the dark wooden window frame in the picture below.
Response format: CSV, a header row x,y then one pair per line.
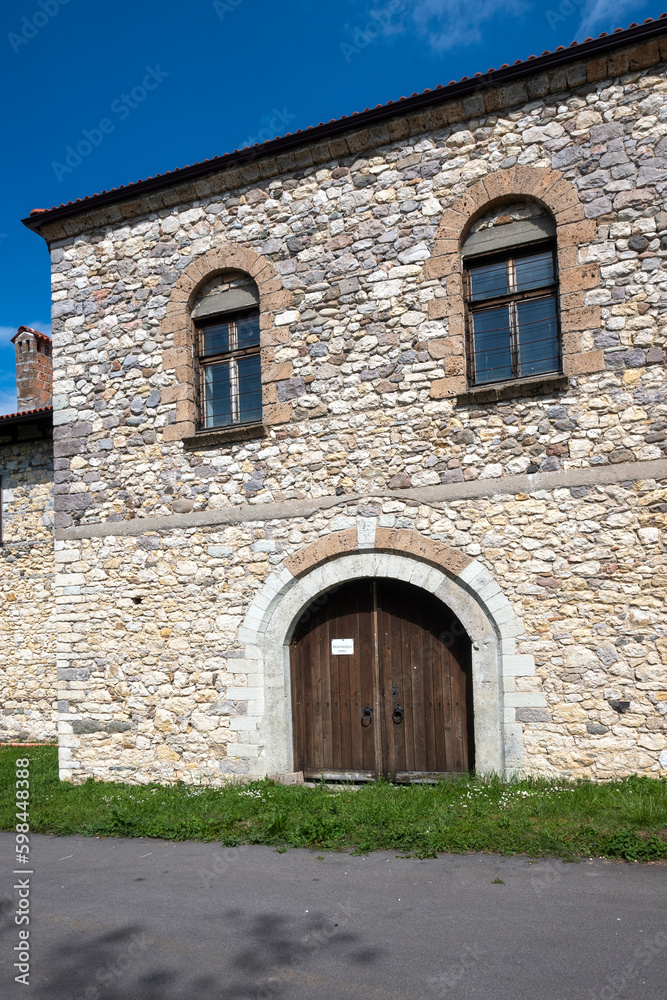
x,y
230,357
510,254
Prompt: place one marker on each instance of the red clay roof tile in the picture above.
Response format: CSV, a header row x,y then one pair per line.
x,y
26,413
632,32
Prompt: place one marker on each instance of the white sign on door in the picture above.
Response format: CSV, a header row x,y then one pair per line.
x,y
342,647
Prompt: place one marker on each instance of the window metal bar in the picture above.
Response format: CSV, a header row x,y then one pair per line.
x,y
503,347
514,337
512,294
478,305
230,359
496,329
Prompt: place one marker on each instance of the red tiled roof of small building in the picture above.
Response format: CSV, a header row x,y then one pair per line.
x,y
574,50
29,329
26,413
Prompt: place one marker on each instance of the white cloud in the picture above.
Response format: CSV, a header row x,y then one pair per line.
x,y
7,401
7,332
603,15
445,24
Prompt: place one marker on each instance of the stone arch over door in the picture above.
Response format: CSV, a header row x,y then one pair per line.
x,y
463,585
178,328
573,231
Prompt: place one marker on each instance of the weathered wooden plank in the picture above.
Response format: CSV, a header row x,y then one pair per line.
x,y
403,656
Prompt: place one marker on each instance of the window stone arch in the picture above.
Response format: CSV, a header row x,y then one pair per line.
x,y
178,328
573,231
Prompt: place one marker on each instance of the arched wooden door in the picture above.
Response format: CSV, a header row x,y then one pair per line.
x,y
381,684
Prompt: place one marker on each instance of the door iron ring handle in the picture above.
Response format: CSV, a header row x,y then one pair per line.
x,y
366,716
397,715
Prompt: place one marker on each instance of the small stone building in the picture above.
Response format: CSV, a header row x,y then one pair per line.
x,y
360,446
27,662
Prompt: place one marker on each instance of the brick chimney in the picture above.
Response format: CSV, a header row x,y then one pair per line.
x,y
34,369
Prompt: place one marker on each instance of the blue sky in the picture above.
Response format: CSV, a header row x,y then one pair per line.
x,y
217,75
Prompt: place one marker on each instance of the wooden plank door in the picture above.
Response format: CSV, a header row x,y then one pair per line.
x,y
381,684
425,685
334,693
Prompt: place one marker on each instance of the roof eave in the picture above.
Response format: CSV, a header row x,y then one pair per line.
x,y
373,116
30,417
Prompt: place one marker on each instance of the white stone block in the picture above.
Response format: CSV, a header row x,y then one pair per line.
x,y
287,318
505,613
239,666
519,665
511,629
525,699
366,527
243,723
513,747
509,717
248,635
69,579
255,619
244,750
490,590
273,586
498,603
254,680
243,693
475,575
262,601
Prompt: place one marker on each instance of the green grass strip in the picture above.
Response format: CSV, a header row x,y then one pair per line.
x,y
535,816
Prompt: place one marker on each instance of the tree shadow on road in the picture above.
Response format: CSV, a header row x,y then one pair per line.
x,y
250,957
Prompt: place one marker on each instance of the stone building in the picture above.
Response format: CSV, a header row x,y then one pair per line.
x,y
27,665
360,443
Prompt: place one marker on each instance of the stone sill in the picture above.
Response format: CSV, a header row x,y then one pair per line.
x,y
224,435
542,386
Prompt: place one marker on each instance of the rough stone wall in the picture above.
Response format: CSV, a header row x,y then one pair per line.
x,y
355,347
27,663
350,241
157,681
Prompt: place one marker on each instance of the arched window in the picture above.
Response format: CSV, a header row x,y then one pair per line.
x,y
227,352
511,294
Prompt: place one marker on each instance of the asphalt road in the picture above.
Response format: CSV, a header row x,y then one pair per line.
x,y
149,920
